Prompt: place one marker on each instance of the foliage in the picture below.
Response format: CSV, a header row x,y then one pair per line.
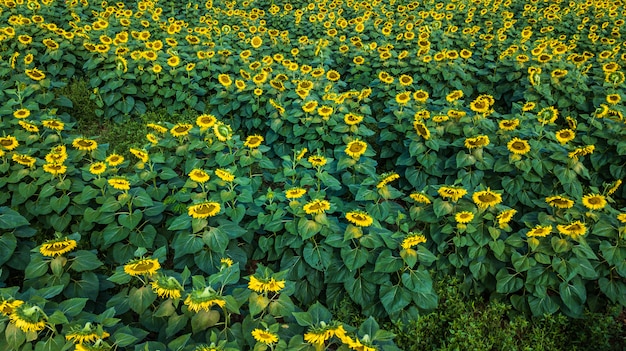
x,y
308,154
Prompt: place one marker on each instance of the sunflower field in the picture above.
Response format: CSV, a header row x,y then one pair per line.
x,y
339,152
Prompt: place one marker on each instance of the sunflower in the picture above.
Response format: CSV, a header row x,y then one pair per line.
x,y
316,337
21,113
264,336
508,124
181,129
204,299
452,193
559,201
613,99
84,144
454,95
263,285
316,206
387,178
352,119
224,175
420,198
465,54
28,318
157,128
594,201
539,231
486,198
57,247
225,80
204,210
317,160
35,74
421,129
333,75
574,229
581,151
614,187
412,240
167,287
301,154
8,306
114,160
356,148
479,105
621,217
295,193
97,168
325,111
518,146
54,168
198,176
464,217
528,106
405,80
29,127
9,142
256,42
139,266
119,183
359,218
24,160
505,217
476,142
140,154
173,61
547,115
205,121
222,131
86,334
565,135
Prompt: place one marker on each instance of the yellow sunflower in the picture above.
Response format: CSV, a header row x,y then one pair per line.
x,y
204,299
518,146
316,206
574,229
476,142
35,74
565,135
452,193
559,202
264,336
547,115
352,119
359,218
317,160
504,217
140,266
84,144
224,175
420,198
97,168
594,201
28,318
356,148
204,210
55,168
119,183
387,178
539,231
412,240
253,141
88,333
181,129
21,113
114,160
464,217
486,198
199,176
222,131
225,80
140,154
9,142
24,160
206,121
421,129
420,96
57,247
508,124
295,193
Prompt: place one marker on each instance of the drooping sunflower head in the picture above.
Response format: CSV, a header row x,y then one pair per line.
x,y
167,287
142,266
57,247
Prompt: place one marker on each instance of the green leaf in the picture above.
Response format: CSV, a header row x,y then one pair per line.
x,y
186,244
182,222
36,268
317,256
8,243
573,295
442,208
394,298
521,263
541,306
15,337
10,219
308,228
507,283
85,261
178,343
216,239
140,299
203,320
257,303
72,307
130,221
387,263
354,258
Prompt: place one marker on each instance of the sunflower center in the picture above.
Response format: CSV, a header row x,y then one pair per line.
x,y
594,201
85,143
356,148
488,197
518,145
205,209
144,266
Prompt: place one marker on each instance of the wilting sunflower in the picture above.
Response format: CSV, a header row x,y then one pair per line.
x,y
518,146
420,198
21,113
486,198
140,266
86,334
9,142
356,148
316,337
24,160
167,287
574,229
565,135
264,336
359,218
119,183
505,217
594,201
181,129
452,193
316,206
199,176
97,168
559,201
253,141
224,175
317,160
301,153
412,240
84,144
28,318
204,210
264,285
421,129
57,247
295,193
114,160
29,127
508,124
387,178
539,231
204,299
476,142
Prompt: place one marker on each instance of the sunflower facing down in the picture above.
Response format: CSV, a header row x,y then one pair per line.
x,y
28,318
57,247
167,287
140,266
86,334
204,299
452,193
